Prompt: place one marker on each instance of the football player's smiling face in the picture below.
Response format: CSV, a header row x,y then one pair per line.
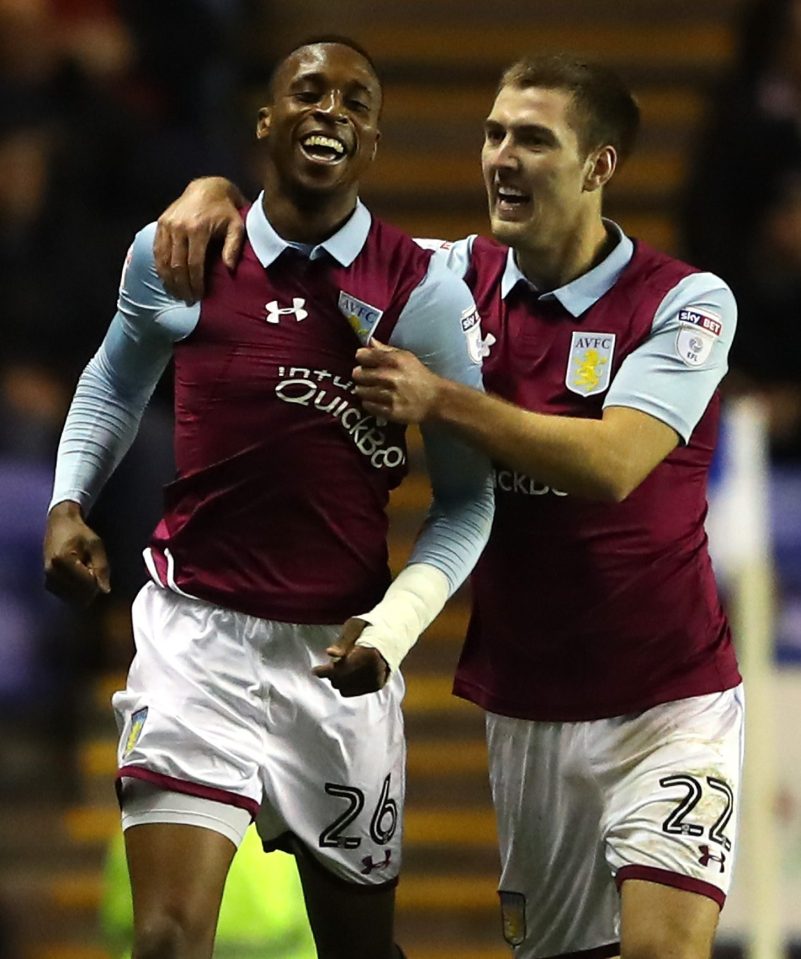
x,y
322,124
533,168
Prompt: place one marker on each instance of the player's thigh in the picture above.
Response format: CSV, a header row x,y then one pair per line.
x,y
556,893
348,920
191,717
661,922
671,779
177,874
334,775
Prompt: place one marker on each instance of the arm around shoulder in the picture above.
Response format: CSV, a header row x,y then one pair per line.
x,y
207,210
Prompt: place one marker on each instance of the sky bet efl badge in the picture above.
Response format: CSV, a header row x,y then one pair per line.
x,y
698,331
471,327
590,362
362,317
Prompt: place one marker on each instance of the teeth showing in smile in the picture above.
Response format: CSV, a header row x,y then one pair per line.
x,y
323,146
511,194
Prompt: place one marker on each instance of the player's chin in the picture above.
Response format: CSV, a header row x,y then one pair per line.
x,y
508,231
323,178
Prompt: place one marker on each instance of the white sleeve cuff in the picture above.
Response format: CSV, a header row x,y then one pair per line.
x,y
411,603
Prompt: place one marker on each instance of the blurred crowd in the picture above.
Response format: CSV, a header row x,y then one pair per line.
x,y
107,107
742,217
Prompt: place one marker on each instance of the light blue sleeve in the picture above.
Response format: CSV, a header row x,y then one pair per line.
x,y
147,311
455,255
119,380
673,374
440,324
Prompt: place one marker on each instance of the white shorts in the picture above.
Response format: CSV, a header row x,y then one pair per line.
x,y
223,706
584,806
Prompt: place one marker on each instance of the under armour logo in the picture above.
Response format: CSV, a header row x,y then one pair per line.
x,y
706,857
370,865
274,311
486,345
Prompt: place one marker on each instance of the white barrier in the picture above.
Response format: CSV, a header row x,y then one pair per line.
x,y
739,531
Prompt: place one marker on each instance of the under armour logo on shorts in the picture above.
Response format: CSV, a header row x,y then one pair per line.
x,y
370,864
707,856
275,312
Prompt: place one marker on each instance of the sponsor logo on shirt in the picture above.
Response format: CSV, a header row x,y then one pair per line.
x,y
705,321
510,481
698,331
275,312
589,363
328,394
362,317
486,345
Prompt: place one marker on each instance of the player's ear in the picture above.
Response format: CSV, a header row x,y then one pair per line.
x,y
601,164
263,123
375,145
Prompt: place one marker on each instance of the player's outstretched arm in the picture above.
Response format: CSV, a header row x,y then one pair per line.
x,y
441,325
598,459
103,420
655,400
207,210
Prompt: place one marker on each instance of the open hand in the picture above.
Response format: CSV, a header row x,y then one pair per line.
x,y
205,211
76,567
353,670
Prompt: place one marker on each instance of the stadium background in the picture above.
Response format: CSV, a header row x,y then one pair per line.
x,y
106,109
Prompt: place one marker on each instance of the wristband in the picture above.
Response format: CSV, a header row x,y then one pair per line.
x,y
414,599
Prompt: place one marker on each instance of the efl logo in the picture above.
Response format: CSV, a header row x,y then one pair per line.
x,y
275,312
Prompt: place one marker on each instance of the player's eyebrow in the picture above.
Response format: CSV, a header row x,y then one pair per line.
x,y
314,76
523,131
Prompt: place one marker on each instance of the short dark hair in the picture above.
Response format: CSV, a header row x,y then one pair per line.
x,y
604,109
337,38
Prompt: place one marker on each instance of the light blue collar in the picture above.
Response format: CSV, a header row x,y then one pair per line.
x,y
344,246
583,292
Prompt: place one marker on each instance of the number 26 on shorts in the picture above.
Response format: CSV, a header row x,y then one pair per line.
x,y
383,821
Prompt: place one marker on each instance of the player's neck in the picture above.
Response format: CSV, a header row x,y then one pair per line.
x,y
567,258
307,218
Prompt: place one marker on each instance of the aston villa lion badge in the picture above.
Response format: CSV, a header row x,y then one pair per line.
x,y
589,363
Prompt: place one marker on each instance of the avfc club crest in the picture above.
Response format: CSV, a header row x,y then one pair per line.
x,y
589,364
362,317
137,724
513,916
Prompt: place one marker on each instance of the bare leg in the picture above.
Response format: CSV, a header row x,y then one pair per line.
x,y
348,921
177,877
660,922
